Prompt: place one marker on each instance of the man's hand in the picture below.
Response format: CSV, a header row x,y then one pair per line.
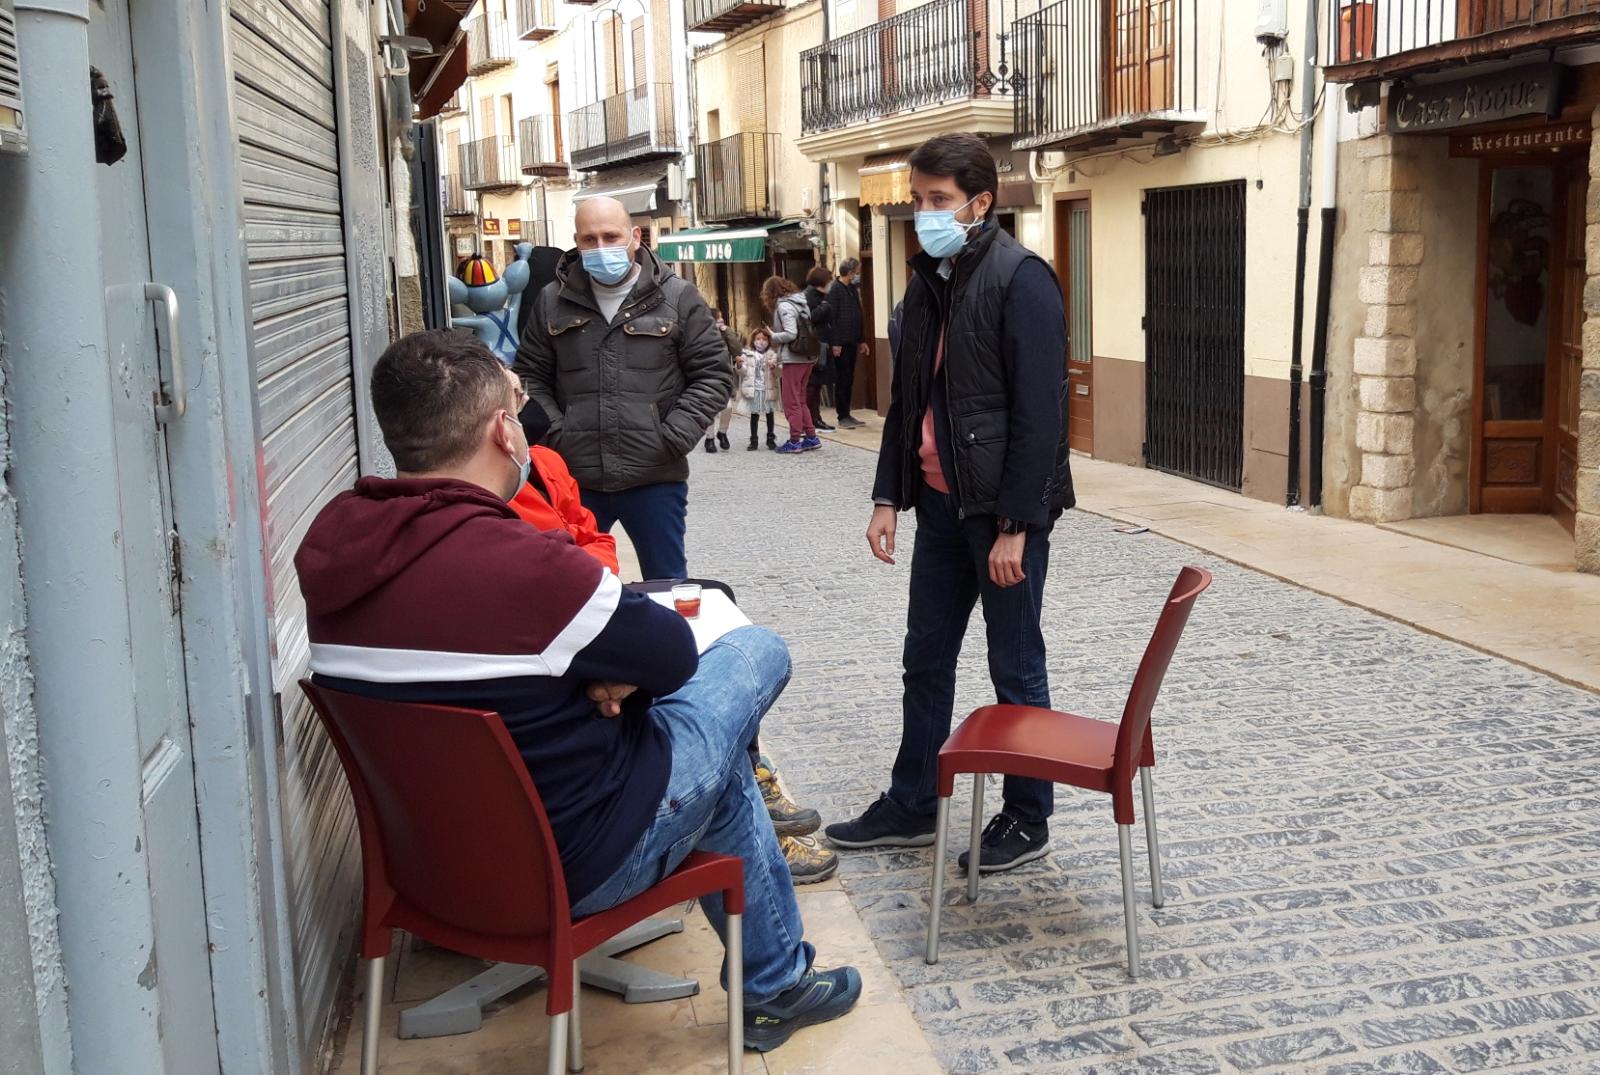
x,y
837,350
609,696
1005,559
863,348
880,533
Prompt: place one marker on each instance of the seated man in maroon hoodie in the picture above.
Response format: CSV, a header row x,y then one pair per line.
x,y
429,588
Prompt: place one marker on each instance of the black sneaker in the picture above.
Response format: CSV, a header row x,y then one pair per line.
x,y
816,998
753,445
772,441
884,824
722,442
825,427
711,446
1008,843
849,421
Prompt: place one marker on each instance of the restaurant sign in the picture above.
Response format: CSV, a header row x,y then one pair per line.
x,y
1550,136
1437,106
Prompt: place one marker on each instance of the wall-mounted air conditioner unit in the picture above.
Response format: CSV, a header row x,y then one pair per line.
x,y
13,132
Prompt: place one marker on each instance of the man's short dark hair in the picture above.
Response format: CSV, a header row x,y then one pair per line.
x,y
848,266
964,157
431,392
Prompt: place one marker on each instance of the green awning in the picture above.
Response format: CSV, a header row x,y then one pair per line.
x,y
728,245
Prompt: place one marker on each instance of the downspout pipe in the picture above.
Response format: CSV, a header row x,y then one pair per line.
x,y
1319,343
1308,103
822,166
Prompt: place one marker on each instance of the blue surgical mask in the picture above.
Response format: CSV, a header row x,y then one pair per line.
x,y
940,233
607,264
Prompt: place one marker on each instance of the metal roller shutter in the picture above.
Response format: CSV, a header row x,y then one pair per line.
x,y
285,116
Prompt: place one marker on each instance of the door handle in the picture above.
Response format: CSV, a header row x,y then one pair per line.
x,y
168,298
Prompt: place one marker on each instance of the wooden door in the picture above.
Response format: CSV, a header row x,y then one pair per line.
x,y
1072,268
1141,50
1531,279
1568,351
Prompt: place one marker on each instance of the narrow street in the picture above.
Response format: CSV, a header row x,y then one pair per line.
x,y
1380,847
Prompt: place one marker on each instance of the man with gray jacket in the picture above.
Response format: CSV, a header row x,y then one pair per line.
x,y
625,358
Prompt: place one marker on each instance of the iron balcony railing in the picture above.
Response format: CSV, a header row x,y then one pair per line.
x,y
1097,70
1364,31
536,19
737,177
539,138
630,125
726,16
457,103
454,197
490,164
943,51
488,43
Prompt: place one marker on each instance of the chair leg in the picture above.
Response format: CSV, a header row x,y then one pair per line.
x,y
1129,911
941,849
575,1031
735,952
975,851
557,1062
1158,896
374,1015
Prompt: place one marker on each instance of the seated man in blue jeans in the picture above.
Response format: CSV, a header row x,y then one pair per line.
x,y
429,588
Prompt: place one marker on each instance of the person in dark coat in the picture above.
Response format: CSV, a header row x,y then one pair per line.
x,y
840,316
976,442
817,281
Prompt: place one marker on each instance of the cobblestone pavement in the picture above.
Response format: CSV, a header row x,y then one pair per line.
x,y
1382,850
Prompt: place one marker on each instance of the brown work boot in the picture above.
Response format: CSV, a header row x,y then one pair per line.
x,y
787,818
809,862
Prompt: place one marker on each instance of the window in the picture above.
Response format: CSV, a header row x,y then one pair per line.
x,y
636,31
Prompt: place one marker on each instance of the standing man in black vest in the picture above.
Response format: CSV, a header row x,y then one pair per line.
x,y
976,442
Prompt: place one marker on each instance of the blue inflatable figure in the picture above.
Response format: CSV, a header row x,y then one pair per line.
x,y
493,300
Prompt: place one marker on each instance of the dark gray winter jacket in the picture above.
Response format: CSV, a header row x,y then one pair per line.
x,y
627,400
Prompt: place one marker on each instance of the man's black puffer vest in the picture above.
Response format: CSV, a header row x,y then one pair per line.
x,y
977,405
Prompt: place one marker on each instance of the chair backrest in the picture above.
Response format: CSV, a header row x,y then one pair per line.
x,y
1133,735
455,843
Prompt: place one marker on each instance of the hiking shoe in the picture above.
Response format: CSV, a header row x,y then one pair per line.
x,y
1008,843
809,862
711,446
722,442
884,824
810,444
787,818
791,447
818,997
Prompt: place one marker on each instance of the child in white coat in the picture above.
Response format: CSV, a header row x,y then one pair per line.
x,y
757,367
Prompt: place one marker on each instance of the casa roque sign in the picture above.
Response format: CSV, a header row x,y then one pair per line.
x,y
1531,90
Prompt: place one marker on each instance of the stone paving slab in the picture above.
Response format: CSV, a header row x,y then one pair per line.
x,y
1382,849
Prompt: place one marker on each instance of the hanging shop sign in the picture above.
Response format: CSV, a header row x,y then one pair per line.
x,y
491,225
514,227
714,247
1552,136
1532,90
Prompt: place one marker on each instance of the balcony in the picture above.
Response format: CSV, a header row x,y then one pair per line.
x,y
456,105
1093,73
488,44
539,138
737,177
728,16
453,196
929,55
536,19
633,125
1367,39
490,164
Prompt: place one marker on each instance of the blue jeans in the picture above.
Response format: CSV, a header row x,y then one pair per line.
x,y
654,517
712,803
949,574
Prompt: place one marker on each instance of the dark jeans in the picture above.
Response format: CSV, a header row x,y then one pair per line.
x,y
844,378
949,574
654,517
814,395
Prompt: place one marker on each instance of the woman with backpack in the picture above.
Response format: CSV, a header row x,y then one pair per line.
x,y
797,354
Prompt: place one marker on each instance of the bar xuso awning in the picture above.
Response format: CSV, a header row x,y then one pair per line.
x,y
726,245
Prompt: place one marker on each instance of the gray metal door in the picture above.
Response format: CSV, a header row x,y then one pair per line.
x,y
285,114
179,968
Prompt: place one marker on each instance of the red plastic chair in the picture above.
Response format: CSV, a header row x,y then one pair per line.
x,y
1065,749
456,849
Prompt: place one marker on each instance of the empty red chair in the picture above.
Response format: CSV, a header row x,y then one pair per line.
x,y
456,849
1020,740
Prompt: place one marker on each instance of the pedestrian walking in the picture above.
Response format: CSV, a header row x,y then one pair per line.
x,y
625,358
720,427
976,443
757,367
817,281
839,318
797,353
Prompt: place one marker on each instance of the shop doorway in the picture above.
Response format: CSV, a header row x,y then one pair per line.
x,y
1072,269
1529,347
